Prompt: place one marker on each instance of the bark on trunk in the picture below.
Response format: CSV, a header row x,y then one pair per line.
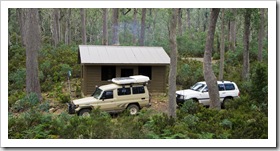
x,y
261,34
105,26
115,27
222,49
55,26
209,75
83,28
134,28
173,64
67,30
21,21
232,37
143,20
246,63
33,44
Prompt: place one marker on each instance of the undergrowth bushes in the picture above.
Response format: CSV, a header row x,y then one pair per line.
x,y
239,120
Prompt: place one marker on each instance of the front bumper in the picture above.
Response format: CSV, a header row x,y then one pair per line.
x,y
180,99
71,108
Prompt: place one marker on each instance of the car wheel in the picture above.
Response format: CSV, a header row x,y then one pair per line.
x,y
85,112
226,100
195,100
133,109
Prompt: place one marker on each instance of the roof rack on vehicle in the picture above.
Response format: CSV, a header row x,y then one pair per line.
x,y
131,79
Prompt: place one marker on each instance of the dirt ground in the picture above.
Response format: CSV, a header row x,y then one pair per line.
x,y
159,102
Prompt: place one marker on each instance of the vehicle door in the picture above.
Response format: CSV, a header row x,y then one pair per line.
x,y
204,96
107,100
222,92
231,90
124,97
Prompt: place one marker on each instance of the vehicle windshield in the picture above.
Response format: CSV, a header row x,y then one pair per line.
x,y
96,93
197,86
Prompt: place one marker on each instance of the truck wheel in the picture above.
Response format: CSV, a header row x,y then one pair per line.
x,y
133,109
226,100
84,112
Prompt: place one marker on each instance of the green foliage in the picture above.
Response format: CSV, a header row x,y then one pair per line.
x,y
189,72
191,44
25,103
259,83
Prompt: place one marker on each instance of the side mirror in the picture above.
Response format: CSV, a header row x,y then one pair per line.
x,y
204,91
102,98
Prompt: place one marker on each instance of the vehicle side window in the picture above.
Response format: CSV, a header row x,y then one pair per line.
x,y
124,91
108,95
205,89
229,86
221,87
138,90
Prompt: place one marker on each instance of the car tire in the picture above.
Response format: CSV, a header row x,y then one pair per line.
x,y
226,100
133,109
84,112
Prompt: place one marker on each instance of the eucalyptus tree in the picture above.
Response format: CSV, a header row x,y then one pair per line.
x,y
32,39
143,27
261,34
83,26
173,64
246,38
222,49
209,75
115,26
105,26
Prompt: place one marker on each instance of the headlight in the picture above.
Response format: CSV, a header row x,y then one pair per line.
x,y
181,97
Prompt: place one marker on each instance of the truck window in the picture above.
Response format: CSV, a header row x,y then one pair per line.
x,y
221,87
108,95
229,86
138,90
124,91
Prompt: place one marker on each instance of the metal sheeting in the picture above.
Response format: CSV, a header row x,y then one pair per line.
x,y
92,54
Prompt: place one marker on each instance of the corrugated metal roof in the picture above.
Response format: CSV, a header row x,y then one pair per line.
x,y
93,54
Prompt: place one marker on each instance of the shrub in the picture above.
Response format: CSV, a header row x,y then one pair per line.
x,y
189,72
27,102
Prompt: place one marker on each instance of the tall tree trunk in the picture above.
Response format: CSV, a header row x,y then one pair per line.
x,y
67,38
21,21
55,26
180,30
246,63
105,26
209,75
142,35
115,27
33,44
134,28
261,34
83,28
153,31
222,49
232,37
173,65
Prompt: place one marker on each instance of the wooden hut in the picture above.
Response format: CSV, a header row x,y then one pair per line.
x,y
102,63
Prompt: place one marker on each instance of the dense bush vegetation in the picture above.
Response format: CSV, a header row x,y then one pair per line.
x,y
239,120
